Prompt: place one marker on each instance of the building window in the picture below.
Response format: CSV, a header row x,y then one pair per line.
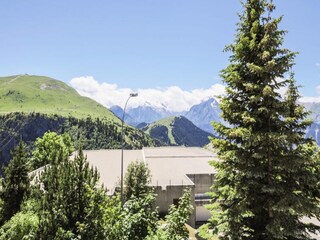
x,y
176,202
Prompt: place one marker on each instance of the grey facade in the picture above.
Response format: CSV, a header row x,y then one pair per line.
x,y
172,170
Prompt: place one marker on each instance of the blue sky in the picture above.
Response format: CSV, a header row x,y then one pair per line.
x,y
143,44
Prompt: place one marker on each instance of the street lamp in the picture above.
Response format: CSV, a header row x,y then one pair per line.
x,y
122,121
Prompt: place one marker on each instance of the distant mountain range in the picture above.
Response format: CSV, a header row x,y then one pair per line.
x,y
314,108
31,105
200,115
149,114
118,111
203,114
44,95
314,130
43,104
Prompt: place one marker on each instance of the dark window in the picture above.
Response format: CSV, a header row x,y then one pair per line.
x,y
176,202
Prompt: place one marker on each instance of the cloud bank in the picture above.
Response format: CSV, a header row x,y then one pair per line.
x,y
172,98
311,99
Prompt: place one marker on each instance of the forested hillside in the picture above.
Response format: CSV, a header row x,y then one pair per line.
x,y
89,133
32,105
177,131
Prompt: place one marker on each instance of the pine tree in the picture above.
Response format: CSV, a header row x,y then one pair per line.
x,y
72,203
174,226
22,225
138,217
15,185
137,180
178,217
268,174
138,214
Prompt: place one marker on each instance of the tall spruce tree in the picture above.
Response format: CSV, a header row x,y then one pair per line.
x,y
268,173
15,184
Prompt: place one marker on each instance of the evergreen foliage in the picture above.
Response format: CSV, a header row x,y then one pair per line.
x,y
90,133
137,180
113,219
139,217
71,205
20,226
66,201
174,227
138,214
23,225
268,173
178,217
50,148
16,183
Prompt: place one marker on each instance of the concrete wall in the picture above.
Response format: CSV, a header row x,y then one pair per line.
x,y
202,214
202,182
166,197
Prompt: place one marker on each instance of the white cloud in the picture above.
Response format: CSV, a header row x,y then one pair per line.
x,y
318,64
311,99
282,90
173,98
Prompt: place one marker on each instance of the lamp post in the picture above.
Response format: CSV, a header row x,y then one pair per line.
x,y
122,121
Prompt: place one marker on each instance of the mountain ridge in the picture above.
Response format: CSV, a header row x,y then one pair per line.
x,y
32,105
118,111
200,114
31,93
204,113
177,130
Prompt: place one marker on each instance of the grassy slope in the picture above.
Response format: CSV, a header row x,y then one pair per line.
x,y
28,93
179,131
167,122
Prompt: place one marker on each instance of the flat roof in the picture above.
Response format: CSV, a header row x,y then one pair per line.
x,y
108,165
168,165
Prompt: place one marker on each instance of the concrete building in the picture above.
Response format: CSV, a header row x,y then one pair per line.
x,y
172,170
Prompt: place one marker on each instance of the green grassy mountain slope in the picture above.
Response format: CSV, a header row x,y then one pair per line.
x,y
33,105
177,131
28,93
